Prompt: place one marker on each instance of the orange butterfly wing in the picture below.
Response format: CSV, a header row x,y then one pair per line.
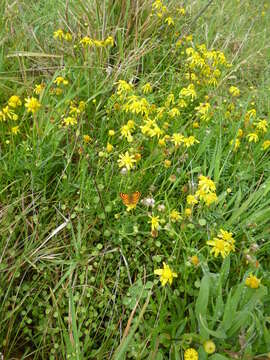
x,y
130,199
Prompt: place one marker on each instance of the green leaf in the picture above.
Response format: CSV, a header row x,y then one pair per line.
x,y
201,304
218,357
220,334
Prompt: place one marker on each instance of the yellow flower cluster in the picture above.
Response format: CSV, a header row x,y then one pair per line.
x,y
223,244
86,42
161,12
159,9
256,128
206,192
204,111
74,112
61,35
205,65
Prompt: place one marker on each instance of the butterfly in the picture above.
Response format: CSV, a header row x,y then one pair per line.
x,y
130,200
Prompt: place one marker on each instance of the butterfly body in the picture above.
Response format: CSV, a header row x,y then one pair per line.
x,y
130,200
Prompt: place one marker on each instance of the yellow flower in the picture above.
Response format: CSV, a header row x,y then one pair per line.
x,y
195,260
252,281
223,244
236,144
175,215
167,163
131,124
210,198
181,11
219,247
252,137
206,184
262,125
38,88
60,80
123,87
191,200
169,21
58,34
165,274
189,141
86,138
15,130
68,36
266,145
177,138
209,347
70,120
240,133
147,88
32,105
126,160
109,147
86,41
162,141
189,92
111,132
6,113
188,212
191,354
173,112
234,91
182,104
109,41
154,222
14,101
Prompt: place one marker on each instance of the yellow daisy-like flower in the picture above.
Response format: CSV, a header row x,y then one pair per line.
x,y
109,147
188,212
147,88
32,104
219,247
126,160
189,141
252,281
68,36
15,130
165,274
39,88
154,222
109,41
60,80
191,200
14,101
86,138
194,260
266,145
167,163
210,198
177,139
58,34
70,120
234,91
252,137
175,215
191,354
